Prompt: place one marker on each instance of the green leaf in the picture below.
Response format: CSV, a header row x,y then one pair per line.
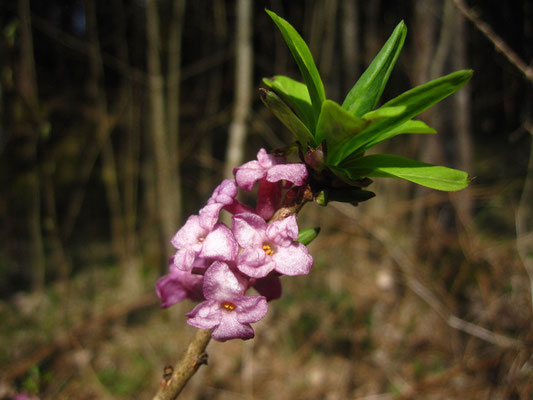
x,y
351,195
336,127
384,112
304,59
306,236
296,95
283,112
365,94
391,166
415,101
408,127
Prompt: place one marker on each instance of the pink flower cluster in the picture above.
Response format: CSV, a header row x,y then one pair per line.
x,y
216,265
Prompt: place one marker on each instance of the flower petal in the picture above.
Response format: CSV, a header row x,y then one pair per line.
x,y
293,260
251,309
249,229
295,173
206,315
208,215
283,232
220,244
170,290
247,174
254,262
231,328
224,193
268,160
222,284
185,258
189,233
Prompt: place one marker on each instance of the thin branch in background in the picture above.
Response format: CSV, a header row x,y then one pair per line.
x,y
497,41
243,87
524,219
407,267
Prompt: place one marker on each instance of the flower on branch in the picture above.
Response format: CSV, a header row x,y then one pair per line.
x,y
179,285
226,310
195,241
270,247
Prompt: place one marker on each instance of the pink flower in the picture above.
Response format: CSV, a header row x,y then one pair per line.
x,y
270,247
271,168
269,171
179,285
193,240
227,311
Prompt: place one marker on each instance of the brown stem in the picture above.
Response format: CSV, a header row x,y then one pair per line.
x,y
496,40
185,368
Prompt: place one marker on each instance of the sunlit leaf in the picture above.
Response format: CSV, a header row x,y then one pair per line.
x,y
336,127
284,113
365,94
296,95
415,101
304,59
392,166
384,112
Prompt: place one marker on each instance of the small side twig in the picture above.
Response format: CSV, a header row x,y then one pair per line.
x,y
496,40
195,356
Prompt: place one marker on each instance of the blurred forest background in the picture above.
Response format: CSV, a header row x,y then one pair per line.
x,y
119,117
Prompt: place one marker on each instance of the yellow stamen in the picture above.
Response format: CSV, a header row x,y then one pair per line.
x,y
268,250
228,306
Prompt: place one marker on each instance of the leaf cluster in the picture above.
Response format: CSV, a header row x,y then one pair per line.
x,y
333,138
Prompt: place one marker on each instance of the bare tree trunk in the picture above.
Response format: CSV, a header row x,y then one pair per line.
x,y
427,63
109,172
164,170
350,43
327,54
461,121
243,87
173,96
214,94
372,41
131,122
27,86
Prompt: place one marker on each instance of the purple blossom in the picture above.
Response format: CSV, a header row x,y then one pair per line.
x,y
269,286
194,240
227,311
271,168
270,247
179,285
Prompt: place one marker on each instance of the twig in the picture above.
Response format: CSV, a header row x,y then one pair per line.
x,y
185,368
524,220
64,342
497,41
407,267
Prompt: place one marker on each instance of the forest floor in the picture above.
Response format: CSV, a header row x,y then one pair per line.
x,y
372,321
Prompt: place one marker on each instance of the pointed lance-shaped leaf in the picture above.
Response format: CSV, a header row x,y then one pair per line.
x,y
304,59
411,126
295,95
336,127
415,101
392,166
284,113
365,94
